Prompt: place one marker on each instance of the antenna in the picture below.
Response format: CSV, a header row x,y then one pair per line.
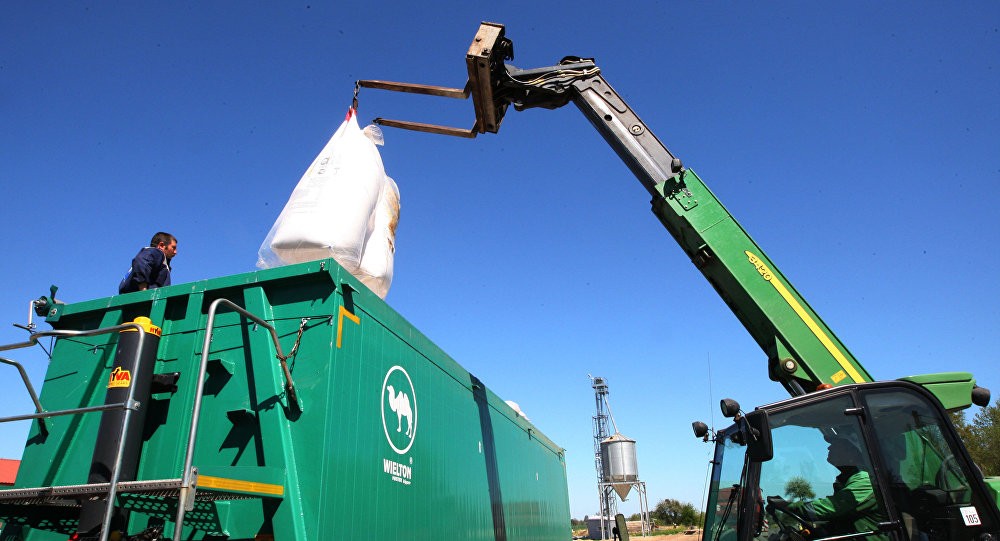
x,y
711,408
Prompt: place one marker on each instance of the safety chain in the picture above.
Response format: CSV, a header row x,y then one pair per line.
x,y
298,339
293,398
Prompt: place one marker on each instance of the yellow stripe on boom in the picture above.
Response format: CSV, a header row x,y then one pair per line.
x,y
766,273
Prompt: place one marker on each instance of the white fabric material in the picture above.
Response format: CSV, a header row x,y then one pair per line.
x,y
343,203
378,255
517,409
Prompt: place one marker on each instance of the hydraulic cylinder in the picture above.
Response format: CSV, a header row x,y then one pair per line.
x,y
129,384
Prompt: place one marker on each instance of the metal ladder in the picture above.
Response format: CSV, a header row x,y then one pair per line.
x,y
183,490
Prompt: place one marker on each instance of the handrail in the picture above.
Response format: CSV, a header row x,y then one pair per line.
x,y
128,406
186,493
33,339
41,416
186,490
34,397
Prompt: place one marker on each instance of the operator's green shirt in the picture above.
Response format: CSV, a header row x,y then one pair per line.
x,y
851,508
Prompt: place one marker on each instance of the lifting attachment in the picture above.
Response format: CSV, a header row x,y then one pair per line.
x,y
493,85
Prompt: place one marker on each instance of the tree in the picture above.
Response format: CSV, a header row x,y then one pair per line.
x,y
798,488
690,516
980,437
670,511
958,419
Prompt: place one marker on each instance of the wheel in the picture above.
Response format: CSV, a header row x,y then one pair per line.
x,y
950,477
800,531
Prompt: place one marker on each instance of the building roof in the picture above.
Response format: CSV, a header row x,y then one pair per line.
x,y
8,470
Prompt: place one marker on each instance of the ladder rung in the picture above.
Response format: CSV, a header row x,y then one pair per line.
x,y
92,489
209,488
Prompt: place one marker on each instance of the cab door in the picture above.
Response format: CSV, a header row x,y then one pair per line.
x,y
936,490
822,482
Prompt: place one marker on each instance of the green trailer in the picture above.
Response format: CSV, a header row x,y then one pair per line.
x,y
285,404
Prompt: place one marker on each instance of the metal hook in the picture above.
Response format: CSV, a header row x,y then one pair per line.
x,y
357,88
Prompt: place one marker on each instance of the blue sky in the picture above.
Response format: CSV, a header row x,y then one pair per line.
x,y
857,142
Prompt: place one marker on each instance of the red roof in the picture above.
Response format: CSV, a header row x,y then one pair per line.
x,y
8,470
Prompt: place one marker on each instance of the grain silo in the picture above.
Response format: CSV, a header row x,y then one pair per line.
x,y
615,458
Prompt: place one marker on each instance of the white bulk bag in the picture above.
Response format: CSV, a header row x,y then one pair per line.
x,y
376,262
331,210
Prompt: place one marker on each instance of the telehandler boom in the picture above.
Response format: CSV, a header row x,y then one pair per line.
x,y
920,482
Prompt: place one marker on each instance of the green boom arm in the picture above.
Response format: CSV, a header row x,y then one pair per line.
x,y
802,351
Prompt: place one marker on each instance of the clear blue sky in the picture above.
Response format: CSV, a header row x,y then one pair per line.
x,y
856,141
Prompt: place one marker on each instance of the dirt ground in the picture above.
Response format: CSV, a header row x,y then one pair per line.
x,y
671,537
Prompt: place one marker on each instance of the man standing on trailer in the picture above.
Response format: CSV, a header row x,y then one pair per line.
x,y
151,266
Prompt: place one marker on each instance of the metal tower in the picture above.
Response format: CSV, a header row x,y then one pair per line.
x,y
609,505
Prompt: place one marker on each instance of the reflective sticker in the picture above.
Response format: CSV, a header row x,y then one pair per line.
x,y
970,516
340,324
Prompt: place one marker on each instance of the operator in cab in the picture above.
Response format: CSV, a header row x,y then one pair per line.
x,y
852,508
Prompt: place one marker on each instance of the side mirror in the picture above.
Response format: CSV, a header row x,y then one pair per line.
x,y
730,407
980,396
759,447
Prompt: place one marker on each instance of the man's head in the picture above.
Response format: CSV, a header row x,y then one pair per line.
x,y
842,452
166,243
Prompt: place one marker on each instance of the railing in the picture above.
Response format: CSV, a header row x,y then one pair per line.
x,y
188,482
187,488
128,406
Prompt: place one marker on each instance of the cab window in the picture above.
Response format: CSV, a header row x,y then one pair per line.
x,y
927,482
820,483
723,512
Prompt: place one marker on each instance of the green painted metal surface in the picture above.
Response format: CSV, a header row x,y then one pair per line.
x,y
803,353
953,389
395,440
994,485
779,319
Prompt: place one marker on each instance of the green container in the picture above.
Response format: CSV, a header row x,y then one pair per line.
x,y
444,458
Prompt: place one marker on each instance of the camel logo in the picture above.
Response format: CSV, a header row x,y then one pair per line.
x,y
399,403
120,378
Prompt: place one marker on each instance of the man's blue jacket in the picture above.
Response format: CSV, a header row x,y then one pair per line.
x,y
150,265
